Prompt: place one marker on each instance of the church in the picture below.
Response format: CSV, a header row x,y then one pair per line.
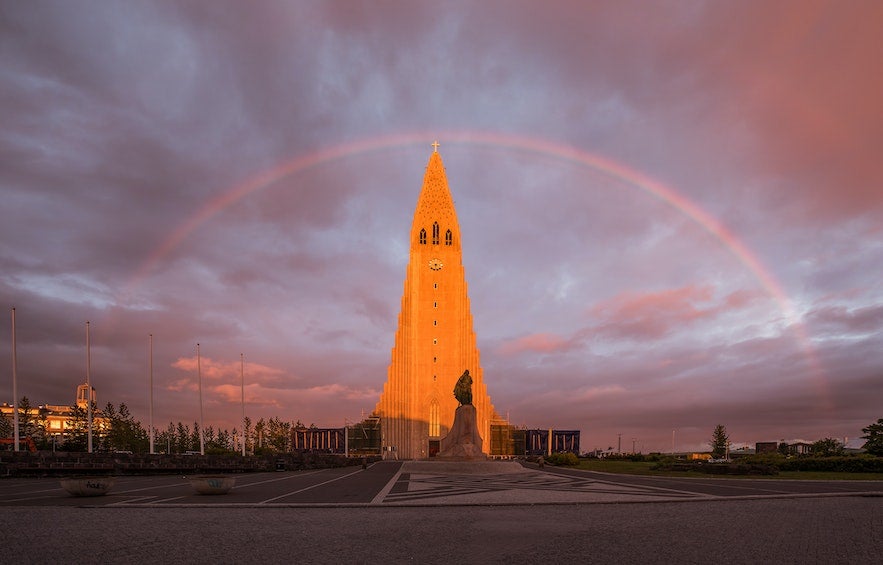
x,y
434,342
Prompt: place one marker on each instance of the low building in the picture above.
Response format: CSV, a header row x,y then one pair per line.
x,y
52,424
505,440
766,447
509,441
799,448
331,440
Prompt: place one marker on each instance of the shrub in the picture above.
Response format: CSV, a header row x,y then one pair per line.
x,y
773,459
563,459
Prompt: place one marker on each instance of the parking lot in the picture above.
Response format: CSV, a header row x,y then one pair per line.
x,y
424,483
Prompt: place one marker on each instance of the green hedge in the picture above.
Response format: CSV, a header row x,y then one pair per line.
x,y
844,464
839,464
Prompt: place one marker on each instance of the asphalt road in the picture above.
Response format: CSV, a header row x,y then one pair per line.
x,y
405,514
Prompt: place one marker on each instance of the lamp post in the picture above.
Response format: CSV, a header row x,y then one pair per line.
x,y
150,419
88,388
201,427
16,435
242,387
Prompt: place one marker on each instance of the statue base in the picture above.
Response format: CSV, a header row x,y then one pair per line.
x,y
462,442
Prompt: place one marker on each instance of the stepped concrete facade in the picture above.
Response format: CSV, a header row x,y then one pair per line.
x,y
434,342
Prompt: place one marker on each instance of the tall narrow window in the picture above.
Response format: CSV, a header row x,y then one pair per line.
x,y
449,238
435,232
434,426
422,236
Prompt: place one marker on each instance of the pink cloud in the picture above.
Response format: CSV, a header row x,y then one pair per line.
x,y
539,343
654,314
227,370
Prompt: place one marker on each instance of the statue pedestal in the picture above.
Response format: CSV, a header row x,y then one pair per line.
x,y
463,441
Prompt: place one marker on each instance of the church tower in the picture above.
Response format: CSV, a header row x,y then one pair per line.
x,y
434,342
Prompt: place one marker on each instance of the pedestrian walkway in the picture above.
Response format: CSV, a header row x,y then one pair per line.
x,y
428,482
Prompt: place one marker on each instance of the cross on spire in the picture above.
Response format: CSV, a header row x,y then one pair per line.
x,y
435,145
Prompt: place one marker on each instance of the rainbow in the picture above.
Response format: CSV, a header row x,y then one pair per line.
x,y
533,145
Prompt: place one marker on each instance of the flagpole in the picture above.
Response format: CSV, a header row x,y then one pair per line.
x,y
150,423
242,386
88,388
201,427
16,435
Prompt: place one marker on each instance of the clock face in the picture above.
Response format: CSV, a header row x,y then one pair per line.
x,y
435,264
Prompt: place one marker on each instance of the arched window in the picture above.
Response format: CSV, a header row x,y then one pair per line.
x,y
435,232
422,236
449,238
434,425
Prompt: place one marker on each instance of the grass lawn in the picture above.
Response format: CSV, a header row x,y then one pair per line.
x,y
646,468
624,467
828,476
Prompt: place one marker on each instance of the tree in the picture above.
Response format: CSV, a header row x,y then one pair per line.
x,y
828,447
260,429
279,435
719,441
171,439
163,440
32,422
124,433
182,439
208,434
25,417
874,435
246,434
196,438
5,426
109,439
223,440
77,430
43,437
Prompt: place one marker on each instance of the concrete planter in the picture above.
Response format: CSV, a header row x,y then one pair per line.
x,y
88,486
212,484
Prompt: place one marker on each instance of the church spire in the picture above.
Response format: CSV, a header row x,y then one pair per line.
x,y
435,342
435,219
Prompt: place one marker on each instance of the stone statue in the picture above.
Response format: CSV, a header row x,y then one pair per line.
x,y
463,442
463,389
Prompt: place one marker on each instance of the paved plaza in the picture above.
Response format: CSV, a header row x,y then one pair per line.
x,y
426,512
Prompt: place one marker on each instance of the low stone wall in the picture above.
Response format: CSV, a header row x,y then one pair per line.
x,y
68,463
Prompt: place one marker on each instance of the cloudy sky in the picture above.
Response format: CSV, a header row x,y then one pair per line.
x,y
671,212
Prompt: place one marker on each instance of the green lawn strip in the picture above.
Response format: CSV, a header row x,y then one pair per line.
x,y
646,468
827,476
